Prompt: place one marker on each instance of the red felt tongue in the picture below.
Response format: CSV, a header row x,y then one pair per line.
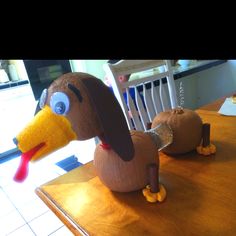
x,y
23,169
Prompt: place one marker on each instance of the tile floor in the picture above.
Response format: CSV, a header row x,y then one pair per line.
x,y
22,212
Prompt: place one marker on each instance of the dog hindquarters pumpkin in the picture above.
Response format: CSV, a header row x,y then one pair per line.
x,y
186,126
122,176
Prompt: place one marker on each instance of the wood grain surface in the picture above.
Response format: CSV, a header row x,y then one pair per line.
x,y
201,193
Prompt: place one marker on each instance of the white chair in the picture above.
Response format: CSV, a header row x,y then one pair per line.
x,y
156,96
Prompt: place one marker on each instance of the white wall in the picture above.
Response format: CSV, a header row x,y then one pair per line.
x,y
208,85
78,65
93,67
199,88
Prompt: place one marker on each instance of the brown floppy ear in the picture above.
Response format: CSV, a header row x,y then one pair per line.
x,y
112,120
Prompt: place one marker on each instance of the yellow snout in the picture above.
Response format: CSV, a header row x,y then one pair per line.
x,y
48,128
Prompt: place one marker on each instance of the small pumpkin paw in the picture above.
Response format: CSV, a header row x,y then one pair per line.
x,y
208,150
154,197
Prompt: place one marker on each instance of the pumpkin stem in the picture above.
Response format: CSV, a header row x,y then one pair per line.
x,y
178,110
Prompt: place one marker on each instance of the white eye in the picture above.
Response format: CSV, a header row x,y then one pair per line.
x,y
43,98
60,103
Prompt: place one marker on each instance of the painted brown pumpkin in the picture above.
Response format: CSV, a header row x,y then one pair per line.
x,y
80,106
186,126
128,176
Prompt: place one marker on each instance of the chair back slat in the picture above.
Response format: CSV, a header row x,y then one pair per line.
x,y
141,110
163,96
133,113
154,92
149,102
156,99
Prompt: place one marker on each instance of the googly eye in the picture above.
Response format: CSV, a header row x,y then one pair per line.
x,y
60,103
43,98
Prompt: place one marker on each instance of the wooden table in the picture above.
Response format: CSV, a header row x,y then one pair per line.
x,y
201,193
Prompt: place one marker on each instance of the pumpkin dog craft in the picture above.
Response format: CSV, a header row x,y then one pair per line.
x,y
80,106
189,133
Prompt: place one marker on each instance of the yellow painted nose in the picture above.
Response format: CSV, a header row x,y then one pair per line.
x,y
53,130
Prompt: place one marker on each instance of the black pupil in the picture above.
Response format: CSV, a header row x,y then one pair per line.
x,y
60,108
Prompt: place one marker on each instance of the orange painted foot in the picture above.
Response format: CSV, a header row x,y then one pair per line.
x,y
154,197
